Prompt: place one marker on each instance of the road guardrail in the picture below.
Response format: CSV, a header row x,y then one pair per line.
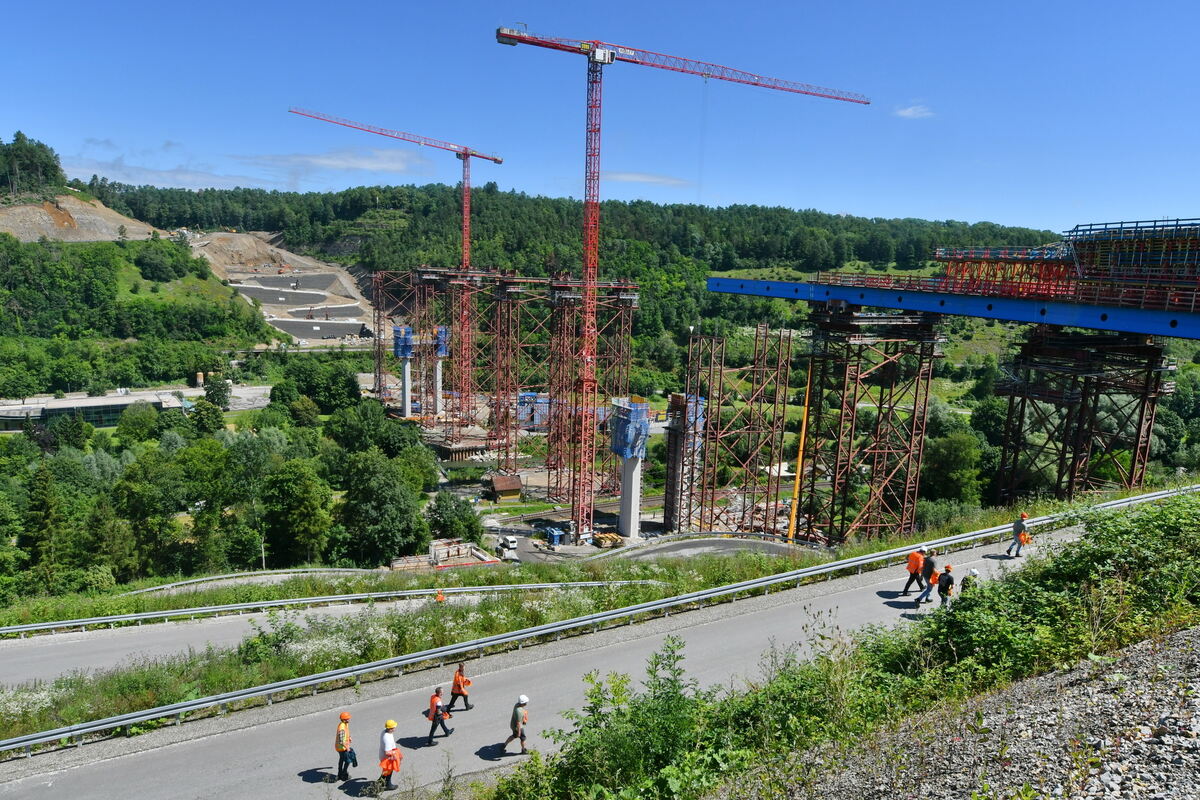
x,y
593,622
339,599
255,574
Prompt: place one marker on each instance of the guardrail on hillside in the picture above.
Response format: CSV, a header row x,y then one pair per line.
x,y
477,646
675,537
198,611
255,574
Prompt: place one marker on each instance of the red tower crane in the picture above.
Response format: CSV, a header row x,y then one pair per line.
x,y
464,153
598,54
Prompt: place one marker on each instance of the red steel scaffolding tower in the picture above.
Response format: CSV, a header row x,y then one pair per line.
x,y
585,399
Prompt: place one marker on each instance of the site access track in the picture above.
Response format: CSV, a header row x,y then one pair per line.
x,y
285,749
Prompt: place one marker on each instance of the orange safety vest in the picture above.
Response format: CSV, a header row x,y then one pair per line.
x,y
433,707
461,682
916,560
341,740
441,598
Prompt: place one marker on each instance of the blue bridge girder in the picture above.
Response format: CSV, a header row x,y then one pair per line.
x,y
1182,324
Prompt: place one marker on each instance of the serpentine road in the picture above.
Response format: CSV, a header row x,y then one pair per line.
x,y
285,750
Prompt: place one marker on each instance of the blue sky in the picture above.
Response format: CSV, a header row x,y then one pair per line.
x,y
1040,114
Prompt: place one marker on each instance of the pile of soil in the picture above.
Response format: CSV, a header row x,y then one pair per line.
x,y
70,219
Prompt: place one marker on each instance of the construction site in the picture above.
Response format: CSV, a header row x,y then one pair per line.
x,y
530,375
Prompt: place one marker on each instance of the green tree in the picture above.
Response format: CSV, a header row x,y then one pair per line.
x,y
207,418
452,517
44,519
296,503
138,422
379,511
109,540
217,391
988,417
304,412
950,470
285,392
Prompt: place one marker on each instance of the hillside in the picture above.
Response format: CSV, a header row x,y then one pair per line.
x,y
70,218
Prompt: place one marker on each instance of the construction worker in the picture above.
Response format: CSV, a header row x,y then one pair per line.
x,y
1020,537
930,574
518,721
389,754
437,715
969,581
441,598
459,688
945,584
916,560
341,746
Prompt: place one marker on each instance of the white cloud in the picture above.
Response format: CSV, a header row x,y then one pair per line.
x,y
184,177
103,144
366,160
645,177
915,112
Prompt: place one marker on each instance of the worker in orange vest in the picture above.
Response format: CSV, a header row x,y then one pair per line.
x,y
929,571
389,754
441,598
916,560
459,688
437,715
1020,535
341,746
945,584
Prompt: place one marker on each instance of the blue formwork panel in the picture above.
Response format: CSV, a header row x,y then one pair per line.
x,y
442,341
630,427
402,341
1009,309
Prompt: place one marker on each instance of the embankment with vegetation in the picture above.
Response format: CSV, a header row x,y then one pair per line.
x,y
1135,575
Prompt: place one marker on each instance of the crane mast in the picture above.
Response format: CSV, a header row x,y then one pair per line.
x,y
583,481
464,153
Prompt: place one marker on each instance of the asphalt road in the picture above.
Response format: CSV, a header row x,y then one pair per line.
x,y
285,750
698,547
48,656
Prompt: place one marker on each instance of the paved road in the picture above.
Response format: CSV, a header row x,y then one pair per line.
x,y
49,656
285,750
703,547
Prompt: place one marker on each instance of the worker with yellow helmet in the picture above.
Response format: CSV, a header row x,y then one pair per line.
x,y
389,754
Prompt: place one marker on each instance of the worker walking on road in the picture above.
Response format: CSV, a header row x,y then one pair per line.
x,y
389,754
945,585
437,715
520,718
916,560
459,688
341,746
930,574
1020,536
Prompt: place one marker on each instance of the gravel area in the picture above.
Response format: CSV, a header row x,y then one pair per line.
x,y
1125,728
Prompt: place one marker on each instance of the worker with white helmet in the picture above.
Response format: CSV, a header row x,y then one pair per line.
x,y
520,718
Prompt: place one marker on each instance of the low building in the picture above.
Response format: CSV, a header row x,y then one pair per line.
x,y
102,412
505,488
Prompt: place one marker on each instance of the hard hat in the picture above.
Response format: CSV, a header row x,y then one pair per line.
x,y
522,700
1024,515
922,549
975,572
391,723
949,568
345,716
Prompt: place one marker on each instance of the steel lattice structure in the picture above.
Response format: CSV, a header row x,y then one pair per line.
x,y
864,482
1081,409
726,438
513,339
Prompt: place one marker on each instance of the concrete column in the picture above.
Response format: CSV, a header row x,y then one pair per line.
x,y
629,524
406,387
438,410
